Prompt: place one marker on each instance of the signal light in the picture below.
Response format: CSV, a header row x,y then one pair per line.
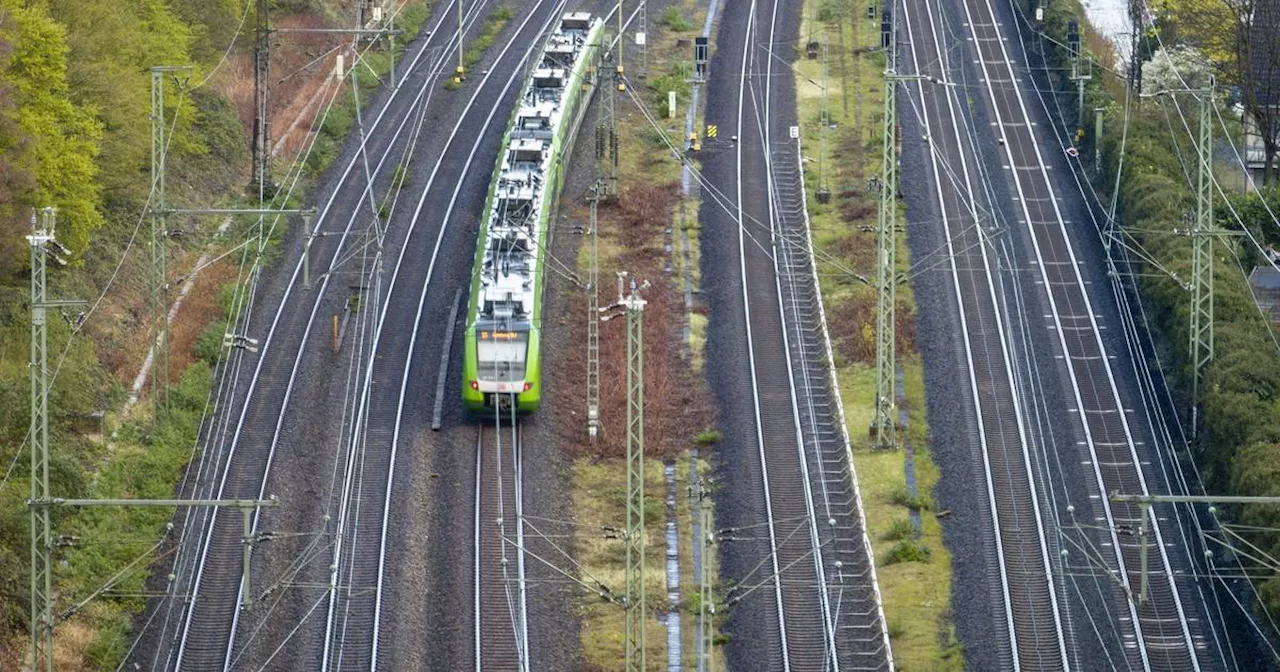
x,y
475,384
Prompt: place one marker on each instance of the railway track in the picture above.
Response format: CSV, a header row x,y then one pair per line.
x,y
242,445
356,603
1161,634
204,636
822,581
501,625
1028,597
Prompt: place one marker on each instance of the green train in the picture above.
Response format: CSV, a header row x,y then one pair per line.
x,y
502,366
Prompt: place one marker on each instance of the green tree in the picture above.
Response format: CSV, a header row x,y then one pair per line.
x,y
60,140
113,44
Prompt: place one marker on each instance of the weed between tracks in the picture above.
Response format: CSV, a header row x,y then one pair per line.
x,y
493,25
635,232
914,574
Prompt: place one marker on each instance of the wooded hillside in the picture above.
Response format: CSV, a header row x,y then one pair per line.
x,y
75,133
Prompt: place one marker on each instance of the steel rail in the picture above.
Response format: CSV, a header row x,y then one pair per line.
x,y
1156,406
210,525
780,247
501,637
364,418
1123,467
1012,492
746,306
794,420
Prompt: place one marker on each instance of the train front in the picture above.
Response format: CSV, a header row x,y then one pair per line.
x,y
500,372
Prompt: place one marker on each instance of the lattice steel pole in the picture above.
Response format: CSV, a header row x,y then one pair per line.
x,y
607,122
159,248
593,319
823,193
642,38
43,237
706,606
261,89
884,422
160,241
1202,235
633,643
42,233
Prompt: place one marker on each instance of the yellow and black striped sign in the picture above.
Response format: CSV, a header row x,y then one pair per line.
x,y
712,130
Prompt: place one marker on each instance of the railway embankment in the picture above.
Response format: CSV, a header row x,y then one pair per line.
x,y
119,451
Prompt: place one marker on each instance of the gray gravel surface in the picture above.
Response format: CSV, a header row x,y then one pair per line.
x,y
739,494
967,530
427,591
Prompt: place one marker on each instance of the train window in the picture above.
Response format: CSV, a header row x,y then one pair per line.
x,y
500,355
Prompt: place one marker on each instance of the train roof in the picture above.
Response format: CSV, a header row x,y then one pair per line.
x,y
512,238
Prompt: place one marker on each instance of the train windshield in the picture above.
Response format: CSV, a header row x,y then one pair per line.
x,y
500,355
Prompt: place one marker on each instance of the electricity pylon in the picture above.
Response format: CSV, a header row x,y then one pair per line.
x,y
1202,235
884,422
593,321
634,604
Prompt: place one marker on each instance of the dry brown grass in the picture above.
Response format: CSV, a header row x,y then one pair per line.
x,y
289,98
198,310
852,322
677,404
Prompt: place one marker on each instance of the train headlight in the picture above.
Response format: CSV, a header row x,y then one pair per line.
x,y
475,384
528,386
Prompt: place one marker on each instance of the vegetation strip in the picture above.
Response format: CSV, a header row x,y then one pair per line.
x,y
635,236
914,569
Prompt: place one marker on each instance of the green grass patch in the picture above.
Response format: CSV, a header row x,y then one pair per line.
x,y
493,24
914,573
673,19
599,495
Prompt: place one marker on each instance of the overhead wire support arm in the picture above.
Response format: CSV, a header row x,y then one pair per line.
x,y
246,506
344,31
1145,502
308,217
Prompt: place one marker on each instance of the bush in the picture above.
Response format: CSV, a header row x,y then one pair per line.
x,y
672,19
900,529
906,551
903,498
208,345
673,80
707,437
